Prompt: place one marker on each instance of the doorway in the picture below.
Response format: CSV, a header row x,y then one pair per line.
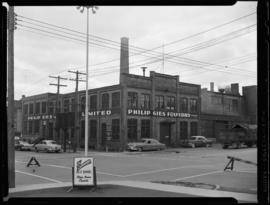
x,y
165,133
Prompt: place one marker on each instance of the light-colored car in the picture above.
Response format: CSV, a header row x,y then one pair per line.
x,y
26,146
48,146
146,144
197,141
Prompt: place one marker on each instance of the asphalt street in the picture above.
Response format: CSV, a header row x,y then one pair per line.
x,y
183,166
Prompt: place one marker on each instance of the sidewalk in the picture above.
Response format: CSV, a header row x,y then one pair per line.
x,y
125,189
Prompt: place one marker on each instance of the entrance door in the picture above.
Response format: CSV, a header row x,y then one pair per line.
x,y
165,133
103,134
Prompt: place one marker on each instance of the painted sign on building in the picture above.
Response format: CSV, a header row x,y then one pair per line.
x,y
42,117
98,113
83,171
158,113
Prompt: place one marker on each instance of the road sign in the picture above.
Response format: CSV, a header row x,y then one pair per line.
x,y
83,171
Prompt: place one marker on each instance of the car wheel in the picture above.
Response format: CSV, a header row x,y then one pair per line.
x,y
193,145
140,149
36,149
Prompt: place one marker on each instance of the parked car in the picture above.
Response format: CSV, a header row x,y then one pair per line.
x,y
146,144
197,141
17,145
48,146
25,146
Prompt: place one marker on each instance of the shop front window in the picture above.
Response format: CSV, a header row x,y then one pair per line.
x,y
145,129
36,124
183,130
93,129
116,129
132,129
193,128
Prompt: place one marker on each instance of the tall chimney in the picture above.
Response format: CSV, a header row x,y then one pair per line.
x,y
124,57
235,88
212,87
143,68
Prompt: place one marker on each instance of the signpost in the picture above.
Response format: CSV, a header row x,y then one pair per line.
x,y
83,173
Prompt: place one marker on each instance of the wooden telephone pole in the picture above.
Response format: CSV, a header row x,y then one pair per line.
x,y
76,142
11,152
57,97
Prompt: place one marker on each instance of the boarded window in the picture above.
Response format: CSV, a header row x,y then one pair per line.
x,y
132,129
170,103
25,109
31,108
37,108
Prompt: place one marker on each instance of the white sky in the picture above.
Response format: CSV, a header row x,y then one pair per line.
x,y
37,55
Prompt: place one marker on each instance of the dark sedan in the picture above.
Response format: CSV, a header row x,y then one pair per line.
x,y
197,141
145,144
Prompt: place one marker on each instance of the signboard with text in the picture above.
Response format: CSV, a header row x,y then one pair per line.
x,y
83,171
154,113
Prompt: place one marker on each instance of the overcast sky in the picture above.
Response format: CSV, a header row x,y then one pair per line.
x,y
223,55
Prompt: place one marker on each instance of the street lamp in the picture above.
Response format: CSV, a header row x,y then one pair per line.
x,y
81,8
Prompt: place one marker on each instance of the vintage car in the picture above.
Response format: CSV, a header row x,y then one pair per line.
x,y
23,145
48,146
197,141
145,144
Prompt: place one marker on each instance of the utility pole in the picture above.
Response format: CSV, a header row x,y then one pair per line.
x,y
11,152
57,98
76,137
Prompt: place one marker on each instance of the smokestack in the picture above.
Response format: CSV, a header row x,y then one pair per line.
x,y
124,57
235,88
143,68
212,87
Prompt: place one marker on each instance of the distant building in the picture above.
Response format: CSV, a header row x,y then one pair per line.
x,y
18,117
250,100
223,109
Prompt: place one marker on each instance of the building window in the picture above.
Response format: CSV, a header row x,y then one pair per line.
x,y
145,101
36,124
132,99
72,109
105,100
44,107
31,108
193,128
183,104
183,130
116,129
37,108
160,102
83,104
116,99
51,107
25,127
30,127
93,102
170,103
132,129
235,105
216,100
93,129
193,105
66,105
25,109
145,129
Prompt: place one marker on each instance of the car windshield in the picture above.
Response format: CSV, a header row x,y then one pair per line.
x,y
143,141
193,138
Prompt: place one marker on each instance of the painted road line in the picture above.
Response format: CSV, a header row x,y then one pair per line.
x,y
34,175
164,170
208,173
64,167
